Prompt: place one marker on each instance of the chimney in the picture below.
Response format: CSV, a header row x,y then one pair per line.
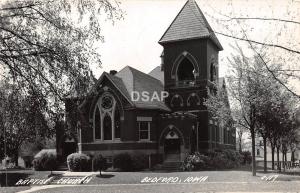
x,y
113,72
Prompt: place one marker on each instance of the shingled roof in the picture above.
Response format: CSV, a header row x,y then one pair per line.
x,y
158,74
190,23
135,80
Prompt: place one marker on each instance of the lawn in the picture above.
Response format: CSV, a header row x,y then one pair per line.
x,y
213,176
13,189
14,175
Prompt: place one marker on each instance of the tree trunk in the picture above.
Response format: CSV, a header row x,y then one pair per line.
x,y
293,157
253,153
240,144
16,159
265,154
285,159
273,154
283,162
278,163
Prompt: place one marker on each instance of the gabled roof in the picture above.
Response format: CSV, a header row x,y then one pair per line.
x,y
135,80
190,23
157,74
128,80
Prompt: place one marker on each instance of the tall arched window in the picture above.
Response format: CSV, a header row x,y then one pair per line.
x,y
186,71
97,119
213,72
117,120
107,127
107,119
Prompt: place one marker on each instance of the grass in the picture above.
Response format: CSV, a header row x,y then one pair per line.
x,y
14,175
13,189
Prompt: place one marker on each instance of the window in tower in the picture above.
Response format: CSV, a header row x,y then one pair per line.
x,y
186,71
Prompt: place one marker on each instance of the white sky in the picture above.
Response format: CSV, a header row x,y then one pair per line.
x,y
133,40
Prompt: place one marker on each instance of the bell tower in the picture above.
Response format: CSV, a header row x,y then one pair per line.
x,y
189,59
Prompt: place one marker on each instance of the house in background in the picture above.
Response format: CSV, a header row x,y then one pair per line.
x,y
111,121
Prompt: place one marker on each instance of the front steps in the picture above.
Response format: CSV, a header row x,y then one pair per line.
x,y
171,163
171,166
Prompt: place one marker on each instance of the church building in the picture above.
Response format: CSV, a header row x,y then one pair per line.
x,y
115,119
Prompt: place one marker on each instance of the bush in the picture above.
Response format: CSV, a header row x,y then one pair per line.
x,y
123,161
217,159
126,162
100,163
195,161
78,162
46,161
246,157
140,162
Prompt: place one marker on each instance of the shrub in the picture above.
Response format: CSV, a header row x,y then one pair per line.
x,y
100,163
234,158
246,157
217,159
195,161
140,162
45,161
123,161
78,162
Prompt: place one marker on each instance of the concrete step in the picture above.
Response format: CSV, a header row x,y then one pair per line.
x,y
172,158
171,166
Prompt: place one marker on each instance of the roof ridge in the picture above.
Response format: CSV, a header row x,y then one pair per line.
x,y
189,23
129,69
205,20
153,69
173,21
147,75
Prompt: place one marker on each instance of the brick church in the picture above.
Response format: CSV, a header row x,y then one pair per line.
x,y
111,122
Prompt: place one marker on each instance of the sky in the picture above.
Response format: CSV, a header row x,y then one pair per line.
x,y
133,40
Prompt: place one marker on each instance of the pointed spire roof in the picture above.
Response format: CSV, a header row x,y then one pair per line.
x,y
190,23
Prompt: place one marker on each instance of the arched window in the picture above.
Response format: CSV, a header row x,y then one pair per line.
x,y
213,72
107,119
176,101
186,71
107,127
117,120
97,123
193,100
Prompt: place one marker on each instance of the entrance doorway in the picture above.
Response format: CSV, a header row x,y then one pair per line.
x,y
69,147
172,146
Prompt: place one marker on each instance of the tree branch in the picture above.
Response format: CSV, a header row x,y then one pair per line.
x,y
261,18
260,43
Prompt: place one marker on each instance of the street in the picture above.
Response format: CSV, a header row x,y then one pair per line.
x,y
201,187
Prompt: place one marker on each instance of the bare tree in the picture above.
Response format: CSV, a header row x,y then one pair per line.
x,y
241,27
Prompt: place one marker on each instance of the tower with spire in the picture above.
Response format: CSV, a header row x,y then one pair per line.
x,y
190,66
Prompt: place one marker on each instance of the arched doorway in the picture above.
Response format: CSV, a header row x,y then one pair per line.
x,y
69,146
171,144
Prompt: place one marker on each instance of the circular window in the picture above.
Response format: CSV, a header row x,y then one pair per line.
x,y
107,102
